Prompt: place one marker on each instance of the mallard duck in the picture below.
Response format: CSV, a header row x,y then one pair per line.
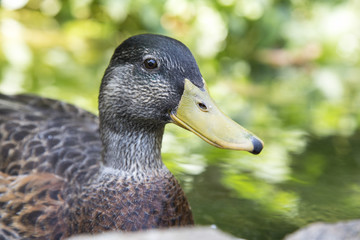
x,y
65,171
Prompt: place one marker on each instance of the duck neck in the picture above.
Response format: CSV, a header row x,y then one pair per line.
x,y
132,148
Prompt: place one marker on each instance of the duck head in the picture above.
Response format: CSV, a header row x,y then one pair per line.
x,y
153,80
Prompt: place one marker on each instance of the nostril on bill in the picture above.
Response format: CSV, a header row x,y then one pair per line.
x,y
202,106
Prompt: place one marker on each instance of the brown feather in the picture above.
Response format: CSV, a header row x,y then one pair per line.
x,y
50,185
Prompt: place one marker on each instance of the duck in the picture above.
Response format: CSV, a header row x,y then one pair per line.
x,y
64,171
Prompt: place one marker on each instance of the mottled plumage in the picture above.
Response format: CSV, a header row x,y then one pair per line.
x,y
51,186
65,172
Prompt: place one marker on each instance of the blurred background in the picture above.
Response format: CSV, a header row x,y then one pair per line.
x,y
288,70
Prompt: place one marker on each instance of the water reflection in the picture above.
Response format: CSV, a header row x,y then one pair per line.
x,y
322,184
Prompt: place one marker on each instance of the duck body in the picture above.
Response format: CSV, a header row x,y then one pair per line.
x,y
51,153
65,171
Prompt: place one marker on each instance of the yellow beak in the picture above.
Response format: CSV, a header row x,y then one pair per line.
x,y
198,113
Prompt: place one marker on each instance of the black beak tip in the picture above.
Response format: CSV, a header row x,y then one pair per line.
x,y
258,145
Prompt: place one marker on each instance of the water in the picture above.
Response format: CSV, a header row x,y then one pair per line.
x,y
323,184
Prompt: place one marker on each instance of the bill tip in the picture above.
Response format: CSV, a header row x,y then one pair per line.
x,y
258,145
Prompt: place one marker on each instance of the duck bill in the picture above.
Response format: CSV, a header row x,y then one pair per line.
x,y
198,113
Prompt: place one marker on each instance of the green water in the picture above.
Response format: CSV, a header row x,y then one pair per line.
x,y
323,185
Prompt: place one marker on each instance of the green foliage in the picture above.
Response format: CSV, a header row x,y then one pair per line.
x,y
287,70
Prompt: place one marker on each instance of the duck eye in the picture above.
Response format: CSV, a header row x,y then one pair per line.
x,y
150,63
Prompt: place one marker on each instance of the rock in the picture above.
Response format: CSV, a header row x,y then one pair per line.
x,y
347,230
191,233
